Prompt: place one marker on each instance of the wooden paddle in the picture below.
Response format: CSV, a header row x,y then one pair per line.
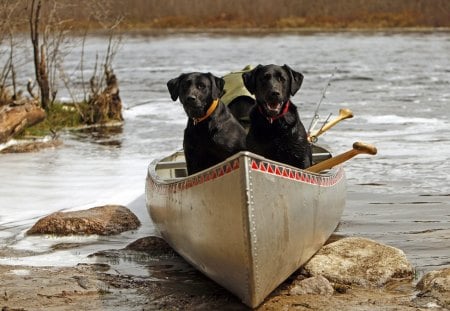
x,y
344,113
358,148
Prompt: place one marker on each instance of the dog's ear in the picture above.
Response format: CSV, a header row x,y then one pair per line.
x,y
174,87
249,79
296,79
217,86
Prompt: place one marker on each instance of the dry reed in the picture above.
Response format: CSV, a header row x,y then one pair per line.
x,y
256,13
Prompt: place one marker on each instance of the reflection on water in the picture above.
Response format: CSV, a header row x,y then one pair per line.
x,y
106,136
163,267
397,86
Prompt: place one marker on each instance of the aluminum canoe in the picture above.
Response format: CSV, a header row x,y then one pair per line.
x,y
247,223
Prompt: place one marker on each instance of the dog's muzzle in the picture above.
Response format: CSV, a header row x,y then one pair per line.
x,y
273,109
273,112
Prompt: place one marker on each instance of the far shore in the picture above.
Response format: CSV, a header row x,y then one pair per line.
x,y
233,16
151,31
257,31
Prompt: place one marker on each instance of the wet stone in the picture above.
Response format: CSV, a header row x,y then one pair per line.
x,y
152,245
61,246
359,261
144,251
435,287
102,220
317,285
97,267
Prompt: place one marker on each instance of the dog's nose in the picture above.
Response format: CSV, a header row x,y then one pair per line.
x,y
275,93
191,98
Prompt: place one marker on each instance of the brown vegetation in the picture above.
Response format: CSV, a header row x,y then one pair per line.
x,y
267,13
277,14
104,105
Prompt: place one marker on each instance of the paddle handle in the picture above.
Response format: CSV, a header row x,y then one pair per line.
x,y
344,113
358,148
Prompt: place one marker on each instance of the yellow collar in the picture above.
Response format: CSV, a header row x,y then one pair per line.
x,y
208,112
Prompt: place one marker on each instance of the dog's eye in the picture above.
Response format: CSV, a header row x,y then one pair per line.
x,y
280,78
184,85
201,86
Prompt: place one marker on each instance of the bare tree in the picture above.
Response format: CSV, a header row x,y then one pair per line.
x,y
7,25
40,66
49,54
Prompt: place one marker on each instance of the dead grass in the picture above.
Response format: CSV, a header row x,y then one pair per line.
x,y
285,13
159,14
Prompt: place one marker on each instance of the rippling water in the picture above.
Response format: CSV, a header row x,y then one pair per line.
x,y
396,84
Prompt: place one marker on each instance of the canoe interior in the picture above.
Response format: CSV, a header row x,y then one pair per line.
x,y
173,167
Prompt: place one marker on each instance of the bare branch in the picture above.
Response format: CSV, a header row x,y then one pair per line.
x,y
30,87
12,69
82,66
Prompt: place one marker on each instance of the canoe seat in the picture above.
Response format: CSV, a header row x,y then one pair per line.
x,y
171,164
171,169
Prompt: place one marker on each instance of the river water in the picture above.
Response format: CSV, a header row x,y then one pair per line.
x,y
396,84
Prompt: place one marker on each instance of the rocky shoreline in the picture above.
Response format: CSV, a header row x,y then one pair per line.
x,y
347,274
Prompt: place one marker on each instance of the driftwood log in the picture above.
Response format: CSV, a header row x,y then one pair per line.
x,y
15,118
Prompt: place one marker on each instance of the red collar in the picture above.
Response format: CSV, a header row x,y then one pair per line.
x,y
271,119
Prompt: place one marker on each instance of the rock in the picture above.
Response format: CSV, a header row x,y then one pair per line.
x,y
155,246
359,261
102,220
435,280
436,284
144,251
317,285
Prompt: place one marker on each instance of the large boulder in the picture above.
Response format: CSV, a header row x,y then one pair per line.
x,y
436,285
359,261
102,220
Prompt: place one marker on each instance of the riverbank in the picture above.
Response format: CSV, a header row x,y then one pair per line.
x,y
175,285
89,287
267,31
119,273
252,32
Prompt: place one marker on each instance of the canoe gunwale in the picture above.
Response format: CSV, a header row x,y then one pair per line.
x,y
275,168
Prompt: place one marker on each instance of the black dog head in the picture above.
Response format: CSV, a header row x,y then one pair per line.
x,y
272,86
196,91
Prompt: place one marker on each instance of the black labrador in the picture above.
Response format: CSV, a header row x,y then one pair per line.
x,y
276,131
212,133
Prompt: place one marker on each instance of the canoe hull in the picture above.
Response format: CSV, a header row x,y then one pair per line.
x,y
247,223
